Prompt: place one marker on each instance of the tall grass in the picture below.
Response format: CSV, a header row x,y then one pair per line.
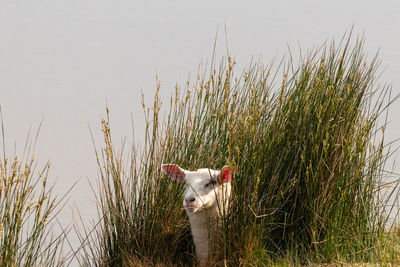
x,y
27,212
309,152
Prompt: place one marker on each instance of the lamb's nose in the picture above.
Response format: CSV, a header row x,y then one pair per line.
x,y
189,200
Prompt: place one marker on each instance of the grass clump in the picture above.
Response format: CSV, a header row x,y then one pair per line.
x,y
309,154
27,209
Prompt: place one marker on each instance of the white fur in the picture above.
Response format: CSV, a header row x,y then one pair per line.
x,y
206,199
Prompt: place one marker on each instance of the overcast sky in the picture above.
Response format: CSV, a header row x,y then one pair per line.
x,y
64,60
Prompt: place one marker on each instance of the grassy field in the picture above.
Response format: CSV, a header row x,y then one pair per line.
x,y
307,141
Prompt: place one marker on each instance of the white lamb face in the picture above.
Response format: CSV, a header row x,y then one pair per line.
x,y
202,187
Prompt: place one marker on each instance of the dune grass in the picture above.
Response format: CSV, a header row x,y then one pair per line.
x,y
310,155
27,212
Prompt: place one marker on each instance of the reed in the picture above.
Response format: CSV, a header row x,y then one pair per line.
x,y
310,157
27,212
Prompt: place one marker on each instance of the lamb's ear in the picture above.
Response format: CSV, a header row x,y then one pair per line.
x,y
226,174
174,172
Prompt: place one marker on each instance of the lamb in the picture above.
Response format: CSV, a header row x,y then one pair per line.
x,y
206,198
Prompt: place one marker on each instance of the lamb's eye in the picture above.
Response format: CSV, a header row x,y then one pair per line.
x,y
209,183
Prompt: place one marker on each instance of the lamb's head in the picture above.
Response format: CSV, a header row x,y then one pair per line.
x,y
204,188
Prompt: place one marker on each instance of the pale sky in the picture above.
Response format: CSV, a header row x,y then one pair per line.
x,y
63,60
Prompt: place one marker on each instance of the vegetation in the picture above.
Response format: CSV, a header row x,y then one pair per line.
x,y
310,184
309,153
27,210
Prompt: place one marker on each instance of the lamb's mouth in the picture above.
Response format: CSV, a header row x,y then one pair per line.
x,y
192,208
